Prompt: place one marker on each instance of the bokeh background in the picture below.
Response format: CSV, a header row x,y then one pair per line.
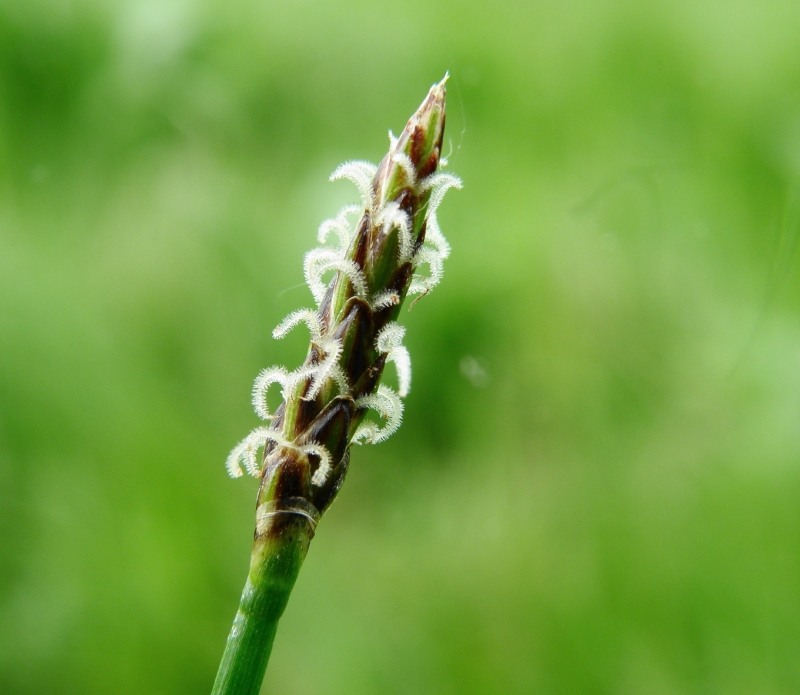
x,y
597,485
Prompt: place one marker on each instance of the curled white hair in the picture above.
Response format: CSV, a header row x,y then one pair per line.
x,y
266,378
390,343
389,406
438,184
246,451
361,174
320,261
433,259
340,225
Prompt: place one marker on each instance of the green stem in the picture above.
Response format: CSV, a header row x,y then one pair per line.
x,y
274,566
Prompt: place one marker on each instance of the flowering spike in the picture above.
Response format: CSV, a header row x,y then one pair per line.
x,y
374,265
353,329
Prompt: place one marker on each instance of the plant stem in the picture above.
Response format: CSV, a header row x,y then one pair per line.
x,y
274,565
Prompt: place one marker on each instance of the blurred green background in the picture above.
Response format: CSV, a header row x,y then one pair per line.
x,y
597,485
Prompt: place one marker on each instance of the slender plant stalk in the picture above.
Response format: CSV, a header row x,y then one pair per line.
x,y
301,453
274,566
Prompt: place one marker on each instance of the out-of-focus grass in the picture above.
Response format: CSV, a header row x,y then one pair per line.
x,y
596,486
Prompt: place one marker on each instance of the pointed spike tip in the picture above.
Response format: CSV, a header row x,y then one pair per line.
x,y
436,96
420,141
